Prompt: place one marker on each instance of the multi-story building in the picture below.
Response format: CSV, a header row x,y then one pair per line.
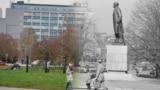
x,y
2,25
45,20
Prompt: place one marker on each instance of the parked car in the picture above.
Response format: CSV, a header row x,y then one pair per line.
x,y
2,63
145,71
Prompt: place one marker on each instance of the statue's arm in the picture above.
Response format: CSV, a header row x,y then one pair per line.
x,y
120,16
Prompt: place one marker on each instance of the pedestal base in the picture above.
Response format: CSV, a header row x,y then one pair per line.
x,y
118,76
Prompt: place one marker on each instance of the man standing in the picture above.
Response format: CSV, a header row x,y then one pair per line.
x,y
117,23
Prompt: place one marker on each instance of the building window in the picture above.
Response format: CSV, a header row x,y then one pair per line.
x,y
44,24
26,13
53,33
36,13
35,23
45,13
27,17
27,23
53,14
36,17
53,18
36,30
53,24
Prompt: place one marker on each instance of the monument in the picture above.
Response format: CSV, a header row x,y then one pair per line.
x,y
116,55
117,24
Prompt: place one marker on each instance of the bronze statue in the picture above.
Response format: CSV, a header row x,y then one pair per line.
x,y
117,23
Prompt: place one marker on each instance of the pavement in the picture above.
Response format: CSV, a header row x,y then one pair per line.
x,y
139,83
11,88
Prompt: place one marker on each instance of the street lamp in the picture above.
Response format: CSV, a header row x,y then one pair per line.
x,y
46,55
63,59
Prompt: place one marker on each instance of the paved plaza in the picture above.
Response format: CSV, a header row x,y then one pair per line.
x,y
11,88
138,84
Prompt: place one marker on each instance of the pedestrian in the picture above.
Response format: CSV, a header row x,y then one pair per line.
x,y
16,66
48,65
69,73
99,75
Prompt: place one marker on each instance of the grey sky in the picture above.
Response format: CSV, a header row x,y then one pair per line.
x,y
103,10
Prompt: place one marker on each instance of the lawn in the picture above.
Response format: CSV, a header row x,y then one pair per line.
x,y
35,79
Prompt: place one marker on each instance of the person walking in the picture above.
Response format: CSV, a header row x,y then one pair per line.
x,y
100,76
69,73
48,65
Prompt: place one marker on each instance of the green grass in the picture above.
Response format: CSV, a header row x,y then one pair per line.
x,y
35,79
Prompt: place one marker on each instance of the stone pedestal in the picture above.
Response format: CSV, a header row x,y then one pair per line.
x,y
118,76
116,58
116,63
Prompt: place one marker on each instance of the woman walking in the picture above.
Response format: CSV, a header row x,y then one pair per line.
x,y
69,73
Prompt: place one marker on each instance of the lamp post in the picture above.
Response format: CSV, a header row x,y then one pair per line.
x,y
46,55
47,58
63,59
64,64
27,61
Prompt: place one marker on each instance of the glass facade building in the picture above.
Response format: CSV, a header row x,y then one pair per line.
x,y
45,20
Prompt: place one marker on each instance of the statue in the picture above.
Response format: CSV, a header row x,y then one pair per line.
x,y
117,23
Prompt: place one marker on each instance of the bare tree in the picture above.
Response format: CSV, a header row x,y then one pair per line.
x,y
8,48
27,40
143,31
87,28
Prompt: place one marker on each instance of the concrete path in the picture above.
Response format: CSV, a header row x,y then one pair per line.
x,y
9,88
138,84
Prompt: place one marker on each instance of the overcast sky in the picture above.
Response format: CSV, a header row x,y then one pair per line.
x,y
102,9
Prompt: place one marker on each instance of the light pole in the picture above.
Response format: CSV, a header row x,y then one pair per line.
x,y
63,59
47,56
27,61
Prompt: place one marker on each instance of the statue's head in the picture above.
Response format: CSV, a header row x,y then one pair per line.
x,y
115,4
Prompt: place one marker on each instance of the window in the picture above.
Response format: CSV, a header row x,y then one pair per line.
x,y
45,13
36,30
36,17
53,24
36,13
27,17
53,18
27,23
35,23
26,13
53,14
44,24
53,33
